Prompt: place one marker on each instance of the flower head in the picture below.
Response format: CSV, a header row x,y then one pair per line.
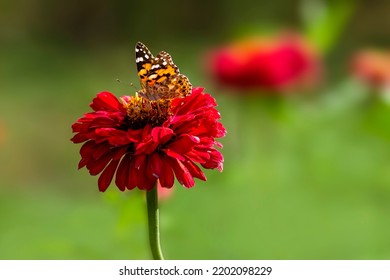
x,y
138,141
275,63
372,67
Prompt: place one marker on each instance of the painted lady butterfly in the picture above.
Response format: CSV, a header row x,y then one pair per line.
x,y
159,76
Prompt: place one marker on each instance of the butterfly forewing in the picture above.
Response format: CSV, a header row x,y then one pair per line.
x,y
142,56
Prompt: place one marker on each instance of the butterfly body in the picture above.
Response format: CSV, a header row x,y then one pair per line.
x,y
160,78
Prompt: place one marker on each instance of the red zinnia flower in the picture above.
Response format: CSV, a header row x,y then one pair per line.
x,y
372,67
140,141
276,63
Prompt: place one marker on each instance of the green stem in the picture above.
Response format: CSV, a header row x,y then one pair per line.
x,y
154,223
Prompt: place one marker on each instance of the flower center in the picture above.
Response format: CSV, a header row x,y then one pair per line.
x,y
141,111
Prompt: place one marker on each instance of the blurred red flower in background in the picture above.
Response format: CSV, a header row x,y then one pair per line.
x,y
141,141
372,67
164,193
273,64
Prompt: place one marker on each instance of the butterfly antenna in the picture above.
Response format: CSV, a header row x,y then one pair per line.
x,y
134,87
131,85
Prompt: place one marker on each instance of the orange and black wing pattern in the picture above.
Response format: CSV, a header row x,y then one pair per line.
x,y
160,78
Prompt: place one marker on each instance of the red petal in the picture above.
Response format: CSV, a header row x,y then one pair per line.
x,y
78,138
162,170
194,170
183,144
146,147
105,101
157,165
139,160
134,135
99,150
133,175
162,135
77,127
215,161
182,174
198,155
95,167
122,174
145,178
106,177
167,179
173,154
87,149
83,162
119,153
150,178
114,136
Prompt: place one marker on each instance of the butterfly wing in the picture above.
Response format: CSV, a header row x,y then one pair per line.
x,y
159,76
142,56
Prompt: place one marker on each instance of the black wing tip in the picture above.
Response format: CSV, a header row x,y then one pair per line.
x,y
139,44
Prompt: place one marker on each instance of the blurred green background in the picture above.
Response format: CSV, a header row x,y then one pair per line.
x,y
304,177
